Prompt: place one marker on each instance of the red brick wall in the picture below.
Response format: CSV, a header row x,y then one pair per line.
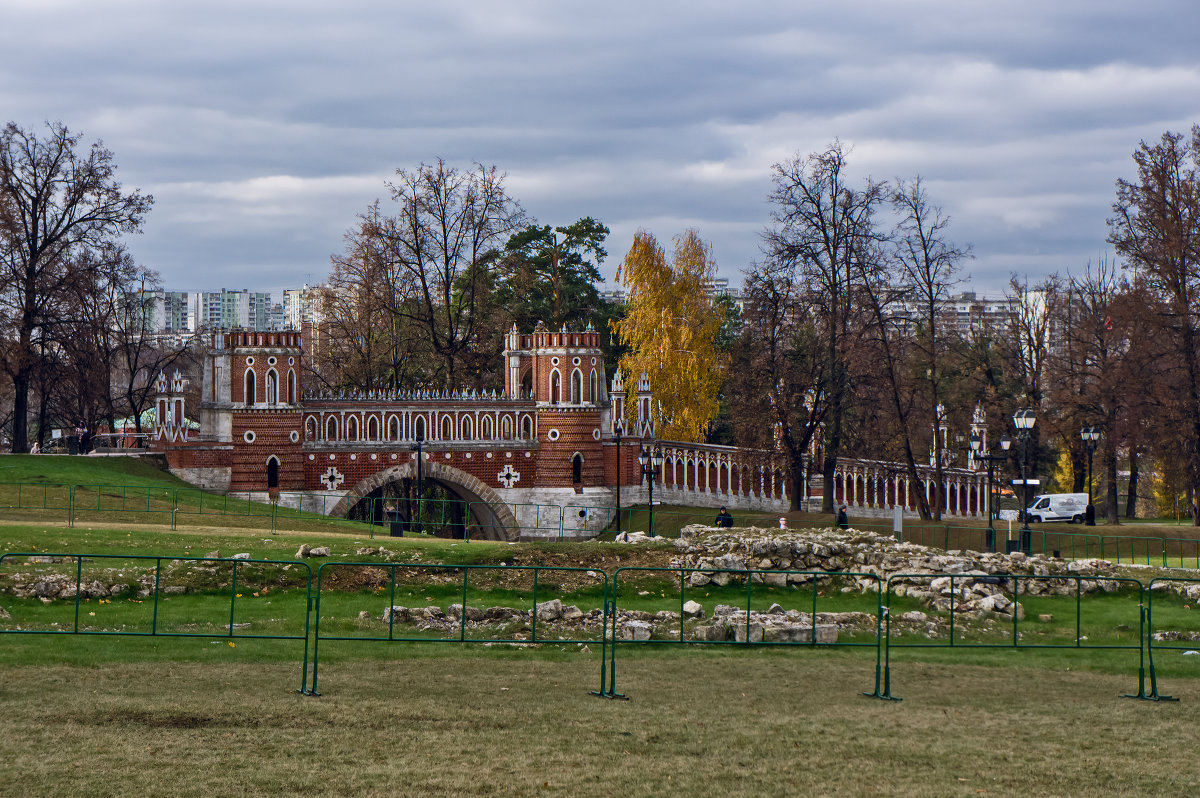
x,y
356,465
272,436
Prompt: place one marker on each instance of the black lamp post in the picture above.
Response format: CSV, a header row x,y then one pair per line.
x,y
417,448
618,428
650,461
976,444
1090,435
1024,420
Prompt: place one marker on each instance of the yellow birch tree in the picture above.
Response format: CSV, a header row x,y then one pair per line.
x,y
670,330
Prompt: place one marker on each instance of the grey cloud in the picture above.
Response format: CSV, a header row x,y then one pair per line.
x,y
264,128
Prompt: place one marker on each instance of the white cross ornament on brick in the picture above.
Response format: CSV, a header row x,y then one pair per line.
x,y
332,478
508,477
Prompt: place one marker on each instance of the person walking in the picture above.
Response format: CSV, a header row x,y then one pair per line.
x,y
842,521
724,519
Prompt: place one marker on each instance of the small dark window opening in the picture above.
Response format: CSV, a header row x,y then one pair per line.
x,y
272,473
577,469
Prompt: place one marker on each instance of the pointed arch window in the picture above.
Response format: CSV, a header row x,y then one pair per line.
x,y
373,428
272,386
393,429
576,387
577,468
555,387
310,429
273,472
291,387
248,394
526,428
352,428
331,429
419,427
447,429
506,428
485,428
465,429
593,394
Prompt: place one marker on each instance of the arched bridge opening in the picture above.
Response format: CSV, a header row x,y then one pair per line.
x,y
450,503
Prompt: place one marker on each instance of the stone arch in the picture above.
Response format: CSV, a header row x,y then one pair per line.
x,y
489,513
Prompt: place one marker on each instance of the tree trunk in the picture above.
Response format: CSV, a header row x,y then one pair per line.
x,y
1131,497
828,467
799,482
1110,472
20,422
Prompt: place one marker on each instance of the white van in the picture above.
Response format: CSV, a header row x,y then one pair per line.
x,y
1058,507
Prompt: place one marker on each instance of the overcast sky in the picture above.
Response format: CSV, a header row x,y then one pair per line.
x,y
263,128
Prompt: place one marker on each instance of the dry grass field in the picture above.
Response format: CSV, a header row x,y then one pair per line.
x,y
523,724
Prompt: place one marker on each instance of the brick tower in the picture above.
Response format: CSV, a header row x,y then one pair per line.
x,y
563,373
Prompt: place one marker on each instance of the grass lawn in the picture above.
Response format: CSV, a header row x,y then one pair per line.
x,y
198,716
208,714
467,723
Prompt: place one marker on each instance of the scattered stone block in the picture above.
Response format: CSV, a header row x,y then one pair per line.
x,y
636,630
549,610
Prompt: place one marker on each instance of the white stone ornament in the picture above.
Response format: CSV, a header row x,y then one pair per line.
x,y
508,476
332,478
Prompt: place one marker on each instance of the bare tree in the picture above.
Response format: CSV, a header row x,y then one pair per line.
x,y
1089,378
369,342
928,263
446,238
823,236
777,399
1155,227
54,203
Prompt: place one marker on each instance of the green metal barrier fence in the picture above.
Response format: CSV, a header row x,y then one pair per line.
x,y
136,620
143,612
510,583
954,597
1182,636
108,499
765,581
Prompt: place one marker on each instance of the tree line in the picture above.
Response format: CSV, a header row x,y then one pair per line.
x,y
845,343
73,348
842,346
